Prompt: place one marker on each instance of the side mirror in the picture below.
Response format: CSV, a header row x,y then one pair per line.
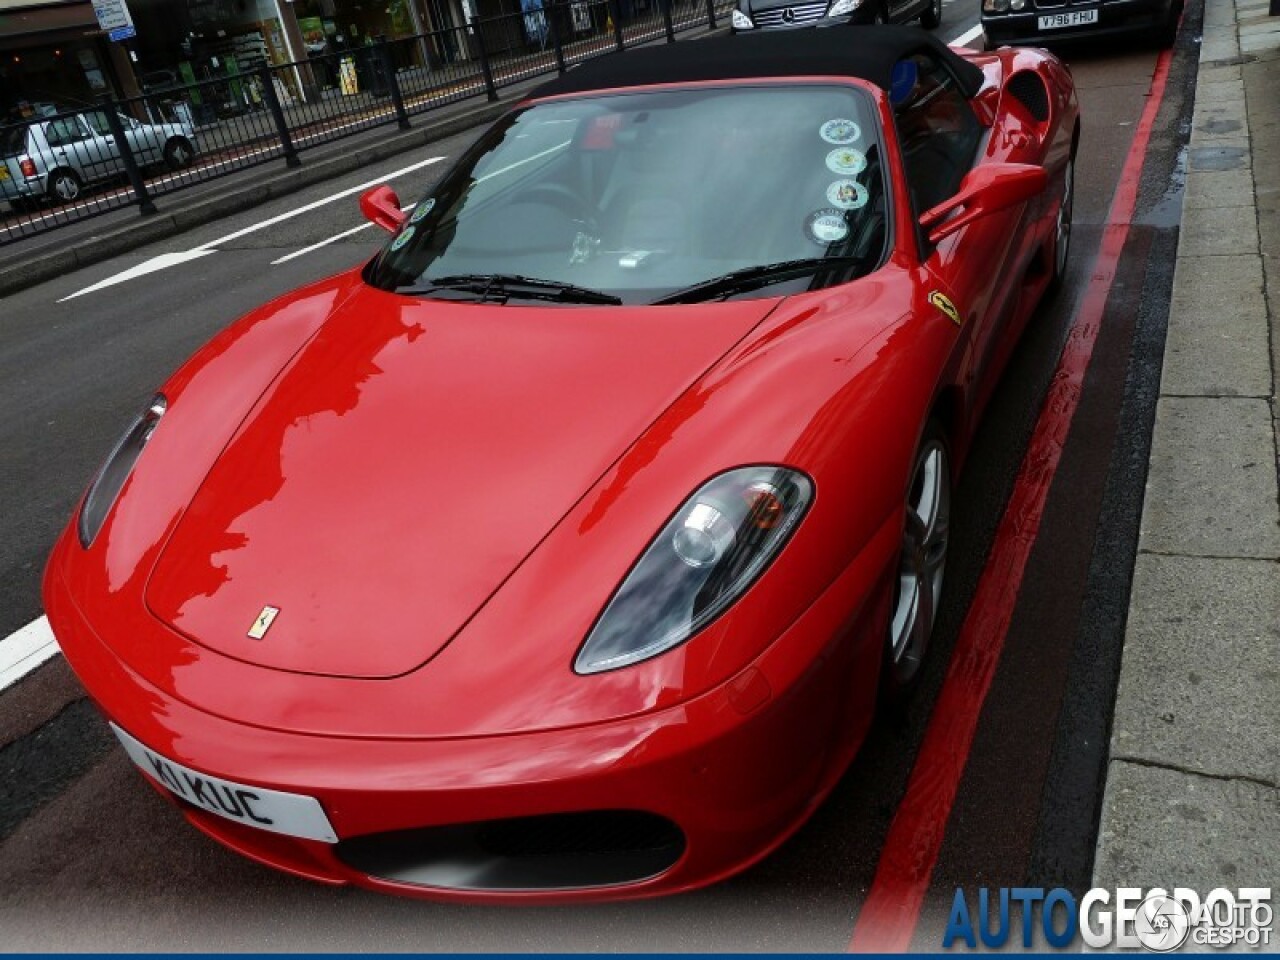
x,y
381,207
984,190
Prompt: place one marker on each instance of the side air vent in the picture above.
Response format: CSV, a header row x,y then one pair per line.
x,y
1030,91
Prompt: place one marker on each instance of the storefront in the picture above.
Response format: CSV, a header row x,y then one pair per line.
x,y
53,56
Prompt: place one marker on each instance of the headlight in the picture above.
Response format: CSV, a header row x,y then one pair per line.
x,y
110,480
706,556
741,21
840,7
995,6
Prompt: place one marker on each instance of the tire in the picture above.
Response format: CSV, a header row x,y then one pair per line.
x,y
1167,35
64,185
1062,229
178,153
922,564
932,17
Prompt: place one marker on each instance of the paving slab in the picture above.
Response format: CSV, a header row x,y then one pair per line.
x,y
1211,490
1220,90
1162,827
1218,119
1218,341
1219,188
1200,682
1224,231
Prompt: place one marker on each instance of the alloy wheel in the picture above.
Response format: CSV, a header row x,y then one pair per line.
x,y
923,561
1062,235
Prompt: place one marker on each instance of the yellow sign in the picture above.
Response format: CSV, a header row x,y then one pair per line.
x,y
347,77
943,303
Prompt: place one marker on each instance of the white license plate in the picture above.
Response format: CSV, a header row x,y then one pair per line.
x,y
1074,18
292,814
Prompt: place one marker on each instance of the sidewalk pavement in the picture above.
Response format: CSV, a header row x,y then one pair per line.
x,y
1193,784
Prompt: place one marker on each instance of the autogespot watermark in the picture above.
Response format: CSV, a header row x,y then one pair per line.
x,y
1127,917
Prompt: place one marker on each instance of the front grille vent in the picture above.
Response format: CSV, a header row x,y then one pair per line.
x,y
800,13
562,851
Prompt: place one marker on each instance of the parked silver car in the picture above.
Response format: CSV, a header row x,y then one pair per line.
x,y
56,157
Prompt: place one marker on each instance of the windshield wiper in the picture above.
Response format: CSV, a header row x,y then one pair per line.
x,y
505,285
753,278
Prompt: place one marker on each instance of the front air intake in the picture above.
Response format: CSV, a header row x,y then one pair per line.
x,y
563,851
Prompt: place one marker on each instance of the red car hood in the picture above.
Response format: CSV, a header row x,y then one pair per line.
x,y
406,461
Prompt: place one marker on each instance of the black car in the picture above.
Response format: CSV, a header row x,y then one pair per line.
x,y
1052,21
781,14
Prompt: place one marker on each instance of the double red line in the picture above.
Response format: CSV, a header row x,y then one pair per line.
x,y
891,911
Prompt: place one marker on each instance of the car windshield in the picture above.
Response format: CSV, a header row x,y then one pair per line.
x,y
643,196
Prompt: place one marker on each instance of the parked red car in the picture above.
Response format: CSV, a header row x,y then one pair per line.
x,y
564,549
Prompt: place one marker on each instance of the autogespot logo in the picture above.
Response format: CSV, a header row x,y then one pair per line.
x,y
1159,920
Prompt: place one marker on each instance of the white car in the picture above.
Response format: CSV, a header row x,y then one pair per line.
x,y
55,157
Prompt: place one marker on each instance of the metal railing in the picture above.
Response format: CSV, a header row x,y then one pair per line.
x,y
65,167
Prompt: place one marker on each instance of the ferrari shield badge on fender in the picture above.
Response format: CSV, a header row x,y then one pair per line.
x,y
943,303
263,623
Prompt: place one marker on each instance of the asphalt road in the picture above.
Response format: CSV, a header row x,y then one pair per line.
x,y
92,859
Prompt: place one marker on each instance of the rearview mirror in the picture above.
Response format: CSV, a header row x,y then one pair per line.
x,y
984,190
381,207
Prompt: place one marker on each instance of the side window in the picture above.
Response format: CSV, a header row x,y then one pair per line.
x,y
62,131
98,123
937,128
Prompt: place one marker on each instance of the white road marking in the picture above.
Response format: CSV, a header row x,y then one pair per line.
x,y
971,34
166,260
23,651
323,243
162,262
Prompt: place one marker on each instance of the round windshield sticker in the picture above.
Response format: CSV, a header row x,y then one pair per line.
x,y
840,131
405,236
827,226
847,195
847,161
425,207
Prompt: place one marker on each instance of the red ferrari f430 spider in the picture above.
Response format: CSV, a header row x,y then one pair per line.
x,y
565,548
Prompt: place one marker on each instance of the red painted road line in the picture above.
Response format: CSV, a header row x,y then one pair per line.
x,y
888,918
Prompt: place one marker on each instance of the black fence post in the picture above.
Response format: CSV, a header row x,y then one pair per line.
x,y
711,14
145,204
291,158
617,24
555,39
489,89
666,20
388,67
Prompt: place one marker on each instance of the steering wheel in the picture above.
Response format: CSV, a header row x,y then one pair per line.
x,y
562,198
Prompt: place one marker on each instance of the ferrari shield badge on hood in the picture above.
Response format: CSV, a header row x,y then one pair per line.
x,y
263,623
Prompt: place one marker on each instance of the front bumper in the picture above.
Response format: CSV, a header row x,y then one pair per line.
x,y
733,771
1116,17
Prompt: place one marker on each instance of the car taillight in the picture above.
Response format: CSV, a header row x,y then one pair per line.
x,y
27,166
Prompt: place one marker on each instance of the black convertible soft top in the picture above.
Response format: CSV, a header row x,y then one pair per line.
x,y
868,52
